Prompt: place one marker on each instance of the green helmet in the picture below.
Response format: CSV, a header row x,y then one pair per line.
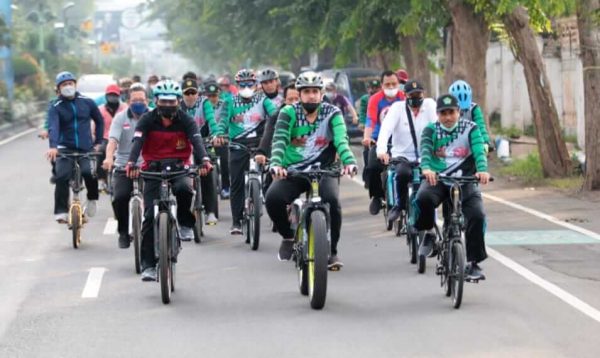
x,y
167,89
309,79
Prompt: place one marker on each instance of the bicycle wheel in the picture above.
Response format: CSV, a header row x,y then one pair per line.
x,y
198,225
173,252
301,263
136,232
456,277
215,185
318,254
76,223
164,259
412,238
254,211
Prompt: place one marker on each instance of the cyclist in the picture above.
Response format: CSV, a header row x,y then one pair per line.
x,y
211,90
165,137
469,109
69,130
378,107
404,123
120,142
307,133
340,101
199,108
227,89
245,123
373,87
453,146
269,82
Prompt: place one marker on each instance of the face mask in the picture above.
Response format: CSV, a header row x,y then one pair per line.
x,y
112,99
138,108
402,87
415,102
246,92
449,129
391,92
310,107
272,95
68,91
167,111
125,96
329,94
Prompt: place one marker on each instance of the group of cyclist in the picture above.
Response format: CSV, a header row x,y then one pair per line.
x,y
168,123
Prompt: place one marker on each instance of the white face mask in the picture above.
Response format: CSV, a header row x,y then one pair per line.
x,y
68,91
449,129
246,92
391,92
329,94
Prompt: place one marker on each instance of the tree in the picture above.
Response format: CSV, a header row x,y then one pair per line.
x,y
588,21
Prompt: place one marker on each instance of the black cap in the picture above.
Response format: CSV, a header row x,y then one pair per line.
x,y
447,101
188,84
211,87
374,84
413,86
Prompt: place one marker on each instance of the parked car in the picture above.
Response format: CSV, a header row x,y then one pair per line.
x,y
94,85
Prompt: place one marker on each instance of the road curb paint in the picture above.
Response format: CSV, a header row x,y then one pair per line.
x,y
94,280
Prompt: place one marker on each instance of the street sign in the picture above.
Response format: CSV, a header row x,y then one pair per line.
x,y
131,18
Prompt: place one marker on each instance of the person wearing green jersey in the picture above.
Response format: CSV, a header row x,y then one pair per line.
x,y
220,107
307,133
453,146
245,122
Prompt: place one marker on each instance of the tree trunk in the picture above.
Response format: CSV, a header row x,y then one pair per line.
x,y
553,150
589,38
466,49
417,60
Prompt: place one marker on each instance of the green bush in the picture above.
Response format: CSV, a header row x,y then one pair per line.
x,y
23,67
528,169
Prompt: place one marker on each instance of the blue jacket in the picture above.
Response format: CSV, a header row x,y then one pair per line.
x,y
69,124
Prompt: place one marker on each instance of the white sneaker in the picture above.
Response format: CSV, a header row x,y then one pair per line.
x,y
62,218
187,233
211,219
90,208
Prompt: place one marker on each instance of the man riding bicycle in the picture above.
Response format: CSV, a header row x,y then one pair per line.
x,y
308,133
166,137
69,131
269,82
220,108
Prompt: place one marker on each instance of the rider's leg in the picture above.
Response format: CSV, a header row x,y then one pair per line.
x,y
374,170
238,164
330,193
151,193
365,176
475,223
123,187
223,153
91,182
403,178
428,198
64,171
209,193
183,191
280,194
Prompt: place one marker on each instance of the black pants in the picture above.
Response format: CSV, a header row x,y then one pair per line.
x,y
429,197
374,170
238,164
209,193
223,153
182,189
283,192
101,173
365,177
403,178
122,188
64,172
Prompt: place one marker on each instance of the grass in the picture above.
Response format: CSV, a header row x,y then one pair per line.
x,y
529,171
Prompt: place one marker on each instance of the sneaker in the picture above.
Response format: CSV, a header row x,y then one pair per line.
x,y
236,229
103,186
375,206
62,218
124,241
426,247
186,232
149,274
90,208
225,193
474,272
334,264
286,249
211,219
394,214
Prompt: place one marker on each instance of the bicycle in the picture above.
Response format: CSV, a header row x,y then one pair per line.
x,y
76,213
309,219
167,239
253,198
136,215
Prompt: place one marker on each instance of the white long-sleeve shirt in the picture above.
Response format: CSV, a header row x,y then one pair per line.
x,y
395,124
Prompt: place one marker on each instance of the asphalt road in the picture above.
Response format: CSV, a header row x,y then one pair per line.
x,y
232,302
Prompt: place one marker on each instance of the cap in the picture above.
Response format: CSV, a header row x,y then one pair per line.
x,y
113,89
447,101
211,88
413,86
188,84
373,84
402,75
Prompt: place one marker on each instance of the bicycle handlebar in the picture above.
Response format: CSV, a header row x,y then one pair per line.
x,y
169,175
76,155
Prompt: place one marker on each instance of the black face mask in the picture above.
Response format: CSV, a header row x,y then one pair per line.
x,y
415,102
310,107
272,95
167,111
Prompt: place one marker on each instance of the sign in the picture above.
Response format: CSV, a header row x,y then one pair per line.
x,y
131,18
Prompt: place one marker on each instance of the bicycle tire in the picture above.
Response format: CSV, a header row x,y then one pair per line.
x,y
215,185
136,231
421,263
301,264
198,225
413,245
255,209
457,273
318,255
173,252
164,259
76,222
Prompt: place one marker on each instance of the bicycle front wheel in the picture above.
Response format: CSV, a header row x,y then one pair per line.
x,y
318,255
456,278
136,232
164,259
76,223
255,209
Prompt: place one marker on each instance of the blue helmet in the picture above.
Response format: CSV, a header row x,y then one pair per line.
x,y
167,89
64,76
462,91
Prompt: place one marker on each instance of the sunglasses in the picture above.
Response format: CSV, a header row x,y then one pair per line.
x,y
246,84
190,93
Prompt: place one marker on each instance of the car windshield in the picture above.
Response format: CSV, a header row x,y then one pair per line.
x,y
358,83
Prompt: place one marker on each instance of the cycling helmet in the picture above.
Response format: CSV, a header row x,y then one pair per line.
x,y
309,79
462,91
245,75
167,89
268,74
64,76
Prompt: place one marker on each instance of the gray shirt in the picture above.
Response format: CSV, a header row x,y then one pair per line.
x,y
122,129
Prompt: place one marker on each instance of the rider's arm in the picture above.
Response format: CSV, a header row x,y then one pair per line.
x,y
141,131
427,146
209,115
114,134
392,118
478,150
194,136
267,139
362,114
480,120
227,113
53,126
340,140
97,118
281,137
270,107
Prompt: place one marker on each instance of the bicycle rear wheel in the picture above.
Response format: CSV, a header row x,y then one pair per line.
x,y
254,211
164,258
318,255
136,232
198,213
456,277
76,223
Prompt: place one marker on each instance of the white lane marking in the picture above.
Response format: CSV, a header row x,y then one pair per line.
x,y
544,216
563,295
94,280
19,135
553,289
111,226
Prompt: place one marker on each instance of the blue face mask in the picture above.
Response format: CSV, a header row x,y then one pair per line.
x,y
138,108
